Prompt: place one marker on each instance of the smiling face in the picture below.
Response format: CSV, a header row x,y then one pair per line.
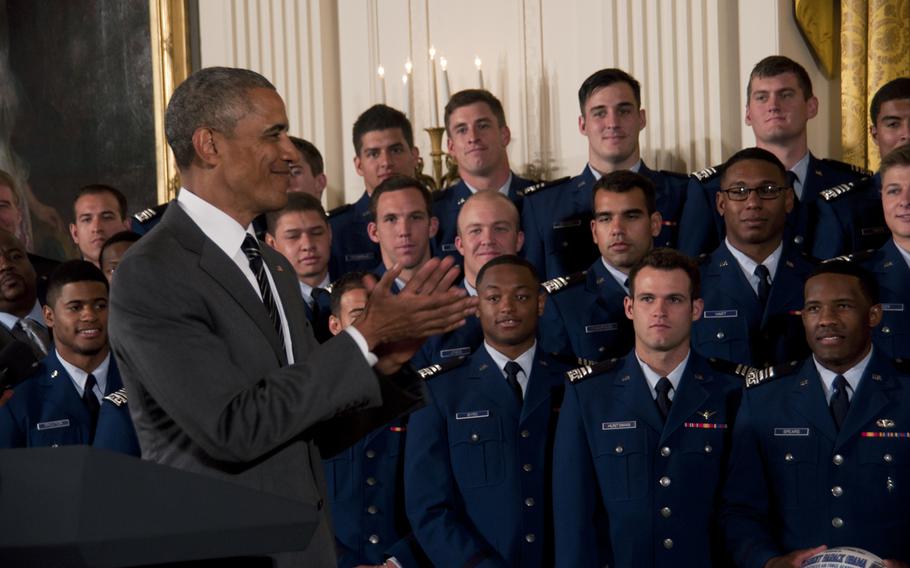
x,y
754,221
622,228
477,140
79,320
777,109
17,277
662,309
611,122
384,153
487,228
838,319
510,305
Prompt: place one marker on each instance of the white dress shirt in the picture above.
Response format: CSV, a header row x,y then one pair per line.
x,y
653,376
853,376
525,361
747,265
79,376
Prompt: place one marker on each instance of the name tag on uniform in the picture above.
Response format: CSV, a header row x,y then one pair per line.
x,y
627,425
448,247
358,256
472,415
456,352
53,424
599,327
892,307
866,231
567,224
714,314
791,431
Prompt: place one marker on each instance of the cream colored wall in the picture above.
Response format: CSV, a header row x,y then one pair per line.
x,y
692,57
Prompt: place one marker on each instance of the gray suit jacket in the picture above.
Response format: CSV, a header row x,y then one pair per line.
x,y
209,386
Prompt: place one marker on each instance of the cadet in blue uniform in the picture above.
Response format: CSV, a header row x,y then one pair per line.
x,y
59,404
478,458
780,103
891,264
477,138
819,449
300,232
383,147
115,430
753,282
556,218
584,315
648,434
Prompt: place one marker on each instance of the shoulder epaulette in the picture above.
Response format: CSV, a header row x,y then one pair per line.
x,y
340,209
118,397
562,282
846,167
705,174
147,215
540,186
859,256
837,191
587,371
439,368
753,376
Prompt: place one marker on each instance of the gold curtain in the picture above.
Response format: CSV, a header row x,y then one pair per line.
x,y
874,49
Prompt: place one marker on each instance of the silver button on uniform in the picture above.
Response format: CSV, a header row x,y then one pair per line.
x,y
837,491
668,543
838,459
721,335
374,539
888,458
527,467
665,451
371,454
664,481
666,512
372,509
474,437
837,522
530,537
618,449
371,481
708,448
788,457
525,434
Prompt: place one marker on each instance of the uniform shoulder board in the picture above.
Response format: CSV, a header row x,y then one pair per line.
x,y
859,256
705,174
339,210
329,287
591,370
540,186
118,397
833,193
562,282
845,167
439,368
147,215
754,376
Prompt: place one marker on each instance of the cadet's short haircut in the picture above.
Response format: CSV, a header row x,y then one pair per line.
x,y
775,65
310,153
471,96
896,89
398,183
69,272
121,237
489,197
759,154
669,259
297,201
214,97
837,265
510,259
348,282
623,181
98,189
898,157
605,78
381,117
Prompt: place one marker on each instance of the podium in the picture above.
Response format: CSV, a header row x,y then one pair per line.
x,y
78,506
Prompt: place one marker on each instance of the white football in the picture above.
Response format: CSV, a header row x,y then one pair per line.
x,y
844,557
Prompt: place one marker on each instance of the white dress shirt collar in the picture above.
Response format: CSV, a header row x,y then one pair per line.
x,y
853,376
652,376
503,190
525,361
79,376
747,265
618,275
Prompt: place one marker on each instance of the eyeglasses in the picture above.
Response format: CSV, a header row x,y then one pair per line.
x,y
764,192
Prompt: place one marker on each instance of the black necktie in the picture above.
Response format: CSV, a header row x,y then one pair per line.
x,y
792,179
512,369
764,284
251,250
322,309
663,387
840,402
91,403
33,335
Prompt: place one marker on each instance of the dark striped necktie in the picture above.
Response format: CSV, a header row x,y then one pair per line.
x,y
250,248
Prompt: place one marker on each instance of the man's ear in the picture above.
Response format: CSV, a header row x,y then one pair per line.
x,y
205,146
372,232
48,317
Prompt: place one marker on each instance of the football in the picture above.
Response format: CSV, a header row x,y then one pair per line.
x,y
844,557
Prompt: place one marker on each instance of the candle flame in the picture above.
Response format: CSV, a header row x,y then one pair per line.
x,y
381,71
477,61
408,66
443,62
404,79
432,53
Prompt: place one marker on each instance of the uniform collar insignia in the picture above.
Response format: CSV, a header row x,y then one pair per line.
x,y
884,423
707,414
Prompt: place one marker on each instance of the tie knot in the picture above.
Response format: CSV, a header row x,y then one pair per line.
x,y
250,247
512,368
90,382
840,383
762,272
663,385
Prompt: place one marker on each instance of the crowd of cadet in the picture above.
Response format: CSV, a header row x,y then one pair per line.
x,y
664,369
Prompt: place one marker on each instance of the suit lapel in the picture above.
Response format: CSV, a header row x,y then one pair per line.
x,y
636,394
809,400
876,390
689,397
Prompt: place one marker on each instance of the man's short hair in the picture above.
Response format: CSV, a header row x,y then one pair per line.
x,y
775,65
297,201
489,196
471,96
605,78
348,282
397,183
98,189
381,117
668,259
510,259
898,157
7,180
623,181
752,154
893,90
121,237
867,281
311,155
214,97
69,272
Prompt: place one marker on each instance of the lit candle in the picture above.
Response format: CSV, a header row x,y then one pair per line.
x,y
479,72
408,66
381,72
406,98
434,98
445,80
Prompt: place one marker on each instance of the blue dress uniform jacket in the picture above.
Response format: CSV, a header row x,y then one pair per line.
x,y
319,318
352,248
47,411
702,228
850,219
115,430
460,342
557,221
658,483
448,204
478,466
796,482
890,269
587,319
733,325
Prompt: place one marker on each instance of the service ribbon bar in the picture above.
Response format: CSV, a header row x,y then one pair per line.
x,y
885,434
705,425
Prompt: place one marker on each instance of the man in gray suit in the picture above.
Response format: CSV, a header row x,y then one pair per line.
x,y
223,373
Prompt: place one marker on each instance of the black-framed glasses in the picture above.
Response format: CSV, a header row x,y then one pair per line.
x,y
741,193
